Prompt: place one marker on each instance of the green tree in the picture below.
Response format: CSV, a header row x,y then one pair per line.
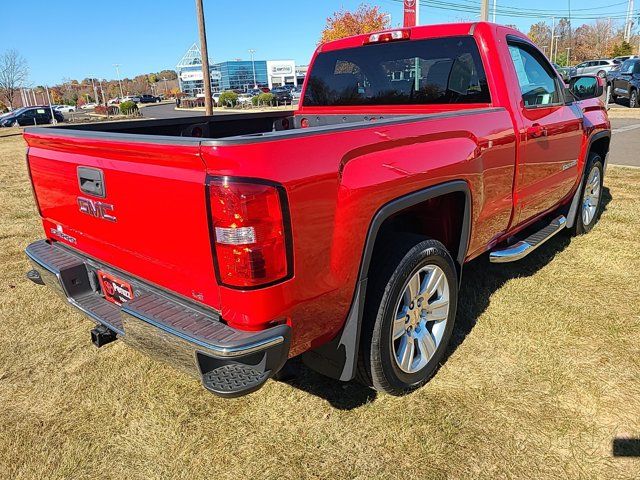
x,y
623,48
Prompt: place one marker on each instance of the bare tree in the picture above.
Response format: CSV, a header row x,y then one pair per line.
x,y
13,75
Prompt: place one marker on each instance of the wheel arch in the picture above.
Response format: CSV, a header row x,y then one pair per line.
x,y
599,143
338,357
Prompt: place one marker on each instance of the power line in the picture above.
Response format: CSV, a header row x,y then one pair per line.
x,y
522,13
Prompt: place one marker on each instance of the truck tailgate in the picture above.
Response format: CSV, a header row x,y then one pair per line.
x,y
137,206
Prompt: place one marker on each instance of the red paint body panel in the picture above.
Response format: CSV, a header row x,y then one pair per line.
x,y
335,182
157,193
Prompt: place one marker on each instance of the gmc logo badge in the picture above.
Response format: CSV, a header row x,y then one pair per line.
x,y
96,209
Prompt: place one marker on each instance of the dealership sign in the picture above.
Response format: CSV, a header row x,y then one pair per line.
x,y
281,68
191,76
411,10
195,75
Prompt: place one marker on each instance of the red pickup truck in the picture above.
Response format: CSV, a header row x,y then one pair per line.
x,y
337,232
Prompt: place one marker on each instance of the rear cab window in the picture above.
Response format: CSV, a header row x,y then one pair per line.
x,y
419,72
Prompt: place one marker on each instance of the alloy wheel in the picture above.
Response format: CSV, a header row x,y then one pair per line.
x,y
591,196
421,317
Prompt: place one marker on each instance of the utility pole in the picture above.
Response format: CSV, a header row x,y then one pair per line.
x,y
104,99
117,65
495,2
629,22
484,10
253,65
553,32
166,91
95,91
206,74
568,56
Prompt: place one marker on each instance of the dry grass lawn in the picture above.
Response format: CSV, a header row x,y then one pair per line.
x,y
543,376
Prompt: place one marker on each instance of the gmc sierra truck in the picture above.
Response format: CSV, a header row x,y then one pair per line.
x,y
338,232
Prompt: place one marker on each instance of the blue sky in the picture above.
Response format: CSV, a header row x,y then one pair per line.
x,y
82,38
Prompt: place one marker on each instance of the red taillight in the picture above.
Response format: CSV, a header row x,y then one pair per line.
x,y
250,232
384,37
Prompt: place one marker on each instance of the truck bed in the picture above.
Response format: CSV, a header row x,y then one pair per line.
x,y
221,126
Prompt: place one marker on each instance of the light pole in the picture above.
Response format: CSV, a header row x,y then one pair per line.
x,y
253,65
166,91
117,65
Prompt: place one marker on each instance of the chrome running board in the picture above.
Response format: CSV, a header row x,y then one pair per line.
x,y
529,244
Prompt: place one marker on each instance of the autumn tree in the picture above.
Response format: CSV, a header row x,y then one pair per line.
x,y
13,75
365,19
540,34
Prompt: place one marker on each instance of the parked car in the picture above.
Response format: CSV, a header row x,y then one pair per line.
x,y
216,97
565,72
282,94
337,233
114,101
595,67
88,106
131,98
245,98
296,94
30,116
622,58
65,108
625,83
149,99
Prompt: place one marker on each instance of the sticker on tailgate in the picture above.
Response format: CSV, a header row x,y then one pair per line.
x,y
114,289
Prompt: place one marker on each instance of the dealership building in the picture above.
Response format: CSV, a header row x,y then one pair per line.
x,y
235,74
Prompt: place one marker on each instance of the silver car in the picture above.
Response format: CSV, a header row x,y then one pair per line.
x,y
595,67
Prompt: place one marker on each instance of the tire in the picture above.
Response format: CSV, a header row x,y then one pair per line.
x,y
590,206
383,352
15,124
633,99
612,98
602,74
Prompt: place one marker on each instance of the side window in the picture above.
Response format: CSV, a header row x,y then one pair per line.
x,y
582,65
636,67
626,66
535,76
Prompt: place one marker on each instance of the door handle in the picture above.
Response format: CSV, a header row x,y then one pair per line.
x,y
536,131
91,181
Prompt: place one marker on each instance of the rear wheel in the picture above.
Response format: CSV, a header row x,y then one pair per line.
x,y
602,74
633,99
409,315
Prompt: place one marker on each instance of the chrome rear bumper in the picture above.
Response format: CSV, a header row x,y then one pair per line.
x,y
229,362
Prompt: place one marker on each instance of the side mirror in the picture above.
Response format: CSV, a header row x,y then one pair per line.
x,y
586,86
